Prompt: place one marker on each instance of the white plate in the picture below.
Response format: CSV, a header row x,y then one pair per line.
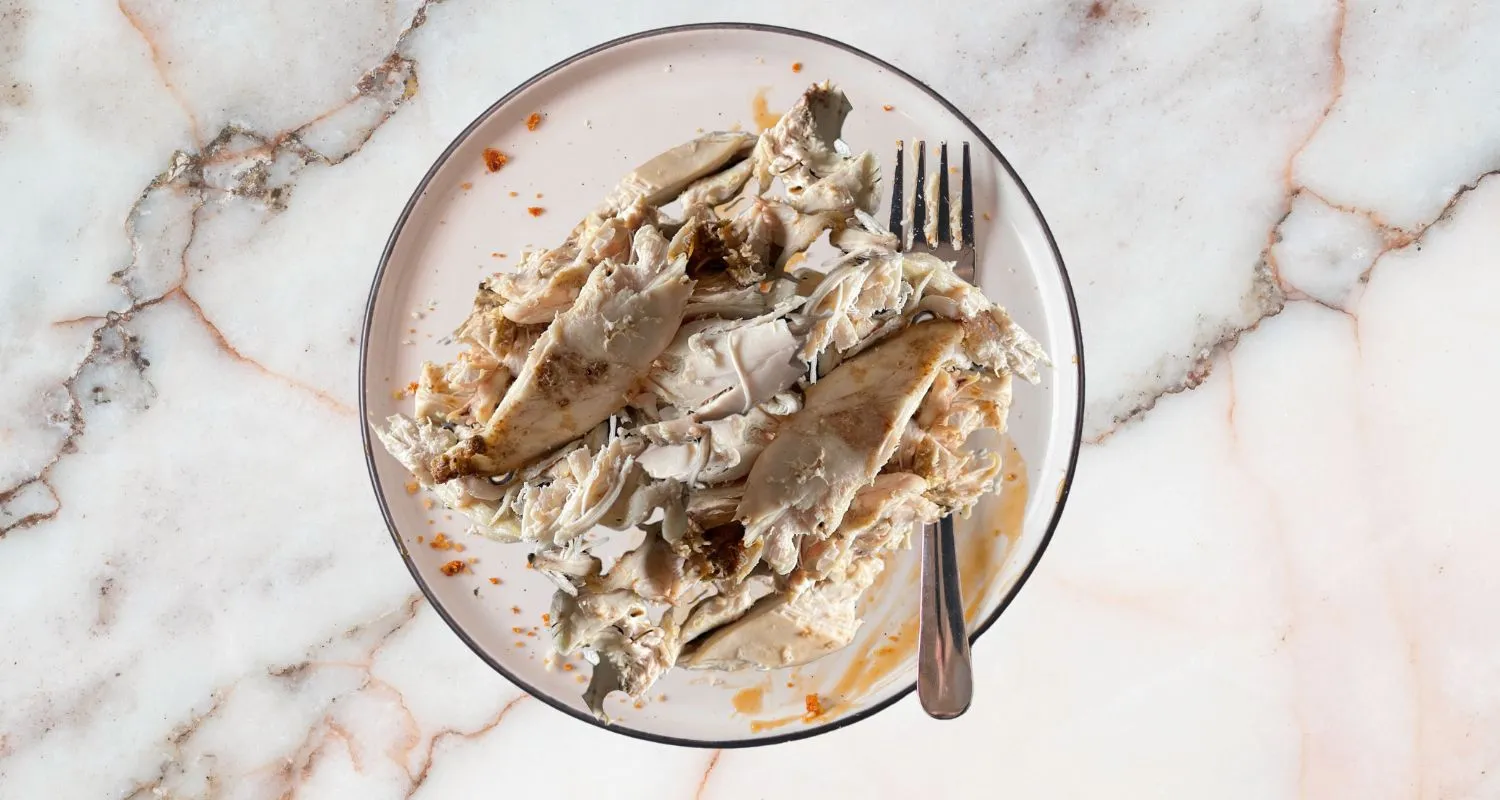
x,y
607,110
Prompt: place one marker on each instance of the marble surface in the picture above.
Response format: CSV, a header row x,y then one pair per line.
x,y
1272,580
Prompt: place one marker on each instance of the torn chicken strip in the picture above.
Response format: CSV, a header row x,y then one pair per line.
x,y
548,281
879,521
767,226
714,368
848,305
800,147
933,445
718,451
631,657
414,443
667,175
849,425
729,604
583,368
854,185
717,189
991,338
864,233
786,630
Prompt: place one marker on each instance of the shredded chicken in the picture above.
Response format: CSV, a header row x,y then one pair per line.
x,y
771,437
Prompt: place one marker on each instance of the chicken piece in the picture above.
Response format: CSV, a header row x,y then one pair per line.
x,y
631,657
414,443
865,234
853,301
726,606
717,189
583,368
665,176
854,185
879,520
991,338
786,630
714,368
800,148
933,444
849,425
718,451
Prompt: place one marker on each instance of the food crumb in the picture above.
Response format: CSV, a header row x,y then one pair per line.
x,y
887,107
796,66
546,618
473,560
567,667
397,394
427,503
494,581
532,634
581,679
412,487
513,194
538,195
533,121
520,644
458,547
441,542
454,567
661,698
986,216
790,684
515,609
516,629
639,704
536,211
420,537
466,186
494,159
1010,476
814,706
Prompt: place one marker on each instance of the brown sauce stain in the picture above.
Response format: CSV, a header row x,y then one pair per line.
x,y
975,552
764,117
749,700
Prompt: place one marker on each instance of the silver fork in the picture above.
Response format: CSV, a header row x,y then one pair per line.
x,y
945,678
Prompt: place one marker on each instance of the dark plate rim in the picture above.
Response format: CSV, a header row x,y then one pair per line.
x,y
385,257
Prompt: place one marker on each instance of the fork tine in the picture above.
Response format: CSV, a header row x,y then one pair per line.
x,y
966,203
898,195
919,201
945,208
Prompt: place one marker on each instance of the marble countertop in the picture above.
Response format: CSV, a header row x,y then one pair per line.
x,y
1281,220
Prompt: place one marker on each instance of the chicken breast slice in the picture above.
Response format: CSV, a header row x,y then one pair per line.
x,y
585,366
848,427
665,176
719,451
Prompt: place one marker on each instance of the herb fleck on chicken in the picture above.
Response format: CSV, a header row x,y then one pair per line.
x,y
769,435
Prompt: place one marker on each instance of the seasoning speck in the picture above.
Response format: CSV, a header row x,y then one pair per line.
x,y
412,487
536,211
454,567
494,581
494,159
796,66
533,121
466,186
515,609
887,107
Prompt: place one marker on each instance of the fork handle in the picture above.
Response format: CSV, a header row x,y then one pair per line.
x,y
945,679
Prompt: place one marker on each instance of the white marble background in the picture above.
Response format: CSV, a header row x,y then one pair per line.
x,y
1273,579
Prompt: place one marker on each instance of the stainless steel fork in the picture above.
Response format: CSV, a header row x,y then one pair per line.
x,y
945,679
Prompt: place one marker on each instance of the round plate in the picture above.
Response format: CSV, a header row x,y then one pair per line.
x,y
605,111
